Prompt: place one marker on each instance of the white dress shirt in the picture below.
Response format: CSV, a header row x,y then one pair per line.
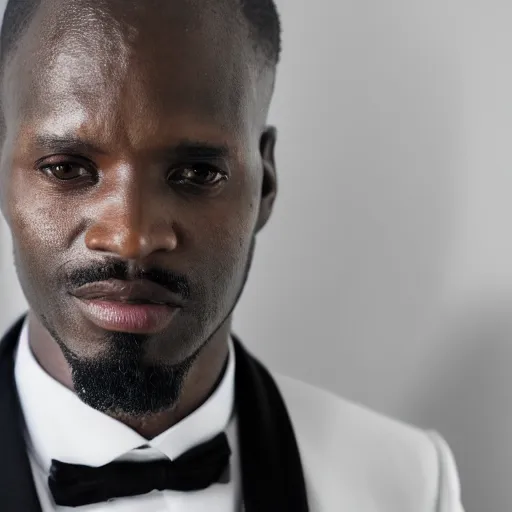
x,y
60,426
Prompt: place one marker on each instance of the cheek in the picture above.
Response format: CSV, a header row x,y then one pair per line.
x,y
34,225
232,231
228,245
31,242
37,223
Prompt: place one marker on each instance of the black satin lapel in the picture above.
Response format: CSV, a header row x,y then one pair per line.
x,y
17,489
272,476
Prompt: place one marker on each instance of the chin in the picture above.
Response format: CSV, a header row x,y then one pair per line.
x,y
120,380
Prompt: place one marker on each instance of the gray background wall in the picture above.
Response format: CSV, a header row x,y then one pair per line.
x,y
386,271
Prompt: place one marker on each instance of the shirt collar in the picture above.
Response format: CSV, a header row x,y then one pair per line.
x,y
60,426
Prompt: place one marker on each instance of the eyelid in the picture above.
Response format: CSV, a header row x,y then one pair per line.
x,y
219,164
61,159
212,167
67,154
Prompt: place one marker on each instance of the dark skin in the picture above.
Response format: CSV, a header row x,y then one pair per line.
x,y
96,119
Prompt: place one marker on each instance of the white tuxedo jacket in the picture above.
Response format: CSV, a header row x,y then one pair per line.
x,y
356,460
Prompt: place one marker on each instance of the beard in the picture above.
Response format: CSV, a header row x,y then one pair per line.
x,y
121,382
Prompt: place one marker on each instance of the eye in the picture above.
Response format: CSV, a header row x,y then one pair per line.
x,y
201,175
66,171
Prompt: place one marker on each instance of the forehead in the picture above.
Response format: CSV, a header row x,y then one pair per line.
x,y
135,72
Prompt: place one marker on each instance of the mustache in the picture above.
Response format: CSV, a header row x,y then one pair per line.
x,y
119,270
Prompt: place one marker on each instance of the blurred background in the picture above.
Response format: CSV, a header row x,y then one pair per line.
x,y
385,274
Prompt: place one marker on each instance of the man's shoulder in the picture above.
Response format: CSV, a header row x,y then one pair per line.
x,y
355,455
312,406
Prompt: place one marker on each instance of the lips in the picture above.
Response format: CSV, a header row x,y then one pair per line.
x,y
128,306
135,292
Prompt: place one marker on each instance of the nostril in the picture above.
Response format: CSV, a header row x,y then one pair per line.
x,y
129,243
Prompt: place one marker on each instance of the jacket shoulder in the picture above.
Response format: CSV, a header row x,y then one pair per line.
x,y
359,458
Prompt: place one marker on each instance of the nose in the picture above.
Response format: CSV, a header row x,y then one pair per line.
x,y
132,224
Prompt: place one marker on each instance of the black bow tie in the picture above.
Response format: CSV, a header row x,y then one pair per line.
x,y
75,485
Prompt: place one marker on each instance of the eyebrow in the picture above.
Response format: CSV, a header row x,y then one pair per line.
x,y
189,149
186,149
65,144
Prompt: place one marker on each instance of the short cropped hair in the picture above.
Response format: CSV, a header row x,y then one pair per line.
x,y
261,15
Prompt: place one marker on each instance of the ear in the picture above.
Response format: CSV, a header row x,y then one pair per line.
x,y
269,184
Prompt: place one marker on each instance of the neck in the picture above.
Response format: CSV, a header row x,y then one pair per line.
x,y
200,382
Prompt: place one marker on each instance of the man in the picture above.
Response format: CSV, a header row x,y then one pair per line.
x,y
136,172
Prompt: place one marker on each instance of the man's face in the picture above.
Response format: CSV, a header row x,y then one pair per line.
x,y
134,149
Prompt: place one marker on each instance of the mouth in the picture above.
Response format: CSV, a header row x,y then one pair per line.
x,y
127,306
137,292
133,316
